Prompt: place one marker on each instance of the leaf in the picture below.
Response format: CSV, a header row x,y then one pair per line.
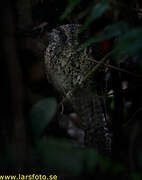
x,y
130,43
41,114
109,32
58,153
97,11
72,4
112,104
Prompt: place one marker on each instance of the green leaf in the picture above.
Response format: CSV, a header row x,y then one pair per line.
x,y
97,11
130,43
72,4
109,32
112,104
58,153
41,114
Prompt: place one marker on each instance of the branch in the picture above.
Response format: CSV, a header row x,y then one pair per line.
x,y
116,68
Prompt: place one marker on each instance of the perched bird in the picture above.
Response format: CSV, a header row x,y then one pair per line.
x,y
66,68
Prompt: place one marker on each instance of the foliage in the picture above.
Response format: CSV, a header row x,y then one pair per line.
x,y
110,31
96,12
129,37
71,5
124,30
41,114
58,153
126,42
131,42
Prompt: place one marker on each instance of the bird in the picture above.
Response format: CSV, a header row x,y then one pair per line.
x,y
67,66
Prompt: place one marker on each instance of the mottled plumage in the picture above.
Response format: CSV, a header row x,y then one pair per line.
x,y
66,69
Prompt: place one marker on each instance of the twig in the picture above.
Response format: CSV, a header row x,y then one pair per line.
x,y
116,68
100,63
